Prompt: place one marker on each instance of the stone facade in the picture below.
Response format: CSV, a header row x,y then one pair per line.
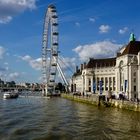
x,y
120,74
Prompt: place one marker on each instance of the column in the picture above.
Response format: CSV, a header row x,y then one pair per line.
x,y
130,83
138,82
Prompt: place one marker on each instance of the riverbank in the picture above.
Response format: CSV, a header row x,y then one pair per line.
x,y
99,101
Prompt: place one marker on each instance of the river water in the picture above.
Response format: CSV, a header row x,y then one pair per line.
x,y
36,118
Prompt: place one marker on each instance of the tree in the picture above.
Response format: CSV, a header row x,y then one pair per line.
x,y
1,83
12,84
60,87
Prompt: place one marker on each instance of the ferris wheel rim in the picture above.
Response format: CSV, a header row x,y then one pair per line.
x,y
50,22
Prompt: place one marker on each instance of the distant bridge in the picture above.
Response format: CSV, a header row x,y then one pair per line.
x,y
18,88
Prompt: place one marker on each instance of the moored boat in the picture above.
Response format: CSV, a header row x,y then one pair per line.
x,y
10,95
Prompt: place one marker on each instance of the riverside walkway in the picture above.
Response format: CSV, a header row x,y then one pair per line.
x,y
99,101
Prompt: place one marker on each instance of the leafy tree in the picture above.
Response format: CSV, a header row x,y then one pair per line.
x,y
60,87
1,83
12,84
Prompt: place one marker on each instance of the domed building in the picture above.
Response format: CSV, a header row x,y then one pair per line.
x,y
120,74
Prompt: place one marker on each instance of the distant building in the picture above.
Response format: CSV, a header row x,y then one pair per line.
x,y
120,74
22,85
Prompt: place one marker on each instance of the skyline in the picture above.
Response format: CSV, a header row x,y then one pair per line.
x,y
94,29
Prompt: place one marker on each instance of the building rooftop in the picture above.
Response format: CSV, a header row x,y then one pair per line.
x,y
78,72
107,62
132,48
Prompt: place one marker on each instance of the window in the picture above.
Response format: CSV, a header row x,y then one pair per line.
x,y
134,88
121,63
102,79
89,82
114,88
106,80
110,81
114,82
134,73
89,89
121,88
134,80
97,81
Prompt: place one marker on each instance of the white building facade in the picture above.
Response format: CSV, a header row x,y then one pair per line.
x,y
120,74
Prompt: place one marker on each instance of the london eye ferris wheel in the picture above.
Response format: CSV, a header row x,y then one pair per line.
x,y
50,49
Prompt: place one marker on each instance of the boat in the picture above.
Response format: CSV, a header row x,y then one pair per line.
x,y
10,95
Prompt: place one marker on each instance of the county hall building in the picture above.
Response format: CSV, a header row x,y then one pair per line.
x,y
120,74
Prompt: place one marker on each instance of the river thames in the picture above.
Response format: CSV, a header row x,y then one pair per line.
x,y
36,118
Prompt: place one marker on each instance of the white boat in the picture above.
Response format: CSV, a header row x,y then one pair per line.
x,y
6,95
10,95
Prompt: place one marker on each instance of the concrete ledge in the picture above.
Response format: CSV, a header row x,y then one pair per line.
x,y
129,105
82,99
94,100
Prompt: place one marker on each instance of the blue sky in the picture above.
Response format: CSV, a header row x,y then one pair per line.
x,y
93,28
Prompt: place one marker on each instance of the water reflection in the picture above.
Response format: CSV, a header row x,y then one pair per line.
x,y
33,118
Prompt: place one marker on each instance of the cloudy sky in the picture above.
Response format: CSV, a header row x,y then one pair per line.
x,y
93,28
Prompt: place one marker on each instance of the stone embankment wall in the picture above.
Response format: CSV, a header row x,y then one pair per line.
x,y
84,99
99,101
129,105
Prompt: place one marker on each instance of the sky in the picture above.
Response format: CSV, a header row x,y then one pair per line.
x,y
93,28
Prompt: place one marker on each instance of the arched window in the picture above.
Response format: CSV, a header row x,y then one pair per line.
x,y
121,63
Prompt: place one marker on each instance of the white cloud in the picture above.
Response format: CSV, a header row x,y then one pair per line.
x,y
5,19
34,63
6,63
2,51
104,28
3,69
102,49
124,30
13,76
6,75
26,58
10,8
77,24
7,54
92,19
78,48
67,63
